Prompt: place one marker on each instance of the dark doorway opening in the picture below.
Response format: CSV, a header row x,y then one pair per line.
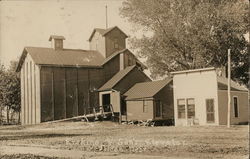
x,y
123,107
106,102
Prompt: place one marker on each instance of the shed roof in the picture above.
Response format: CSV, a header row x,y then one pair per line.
x,y
103,32
222,84
116,78
146,89
64,57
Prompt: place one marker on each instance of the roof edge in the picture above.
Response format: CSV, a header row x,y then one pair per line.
x,y
193,70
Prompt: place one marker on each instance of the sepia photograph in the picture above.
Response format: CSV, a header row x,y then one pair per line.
x,y
124,79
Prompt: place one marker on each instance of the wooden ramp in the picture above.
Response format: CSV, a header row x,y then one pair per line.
x,y
95,115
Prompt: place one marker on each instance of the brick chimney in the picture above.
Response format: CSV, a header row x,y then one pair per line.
x,y
56,42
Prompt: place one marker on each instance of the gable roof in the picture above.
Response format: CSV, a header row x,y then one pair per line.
x,y
222,84
103,32
116,78
146,89
64,57
119,52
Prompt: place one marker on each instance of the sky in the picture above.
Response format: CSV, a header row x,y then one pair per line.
x,y
31,22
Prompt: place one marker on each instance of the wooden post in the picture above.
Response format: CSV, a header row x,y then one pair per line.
x,y
229,89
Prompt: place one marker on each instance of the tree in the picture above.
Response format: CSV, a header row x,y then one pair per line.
x,y
189,34
10,94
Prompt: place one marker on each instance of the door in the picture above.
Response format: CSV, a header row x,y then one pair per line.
x,y
210,110
116,101
106,102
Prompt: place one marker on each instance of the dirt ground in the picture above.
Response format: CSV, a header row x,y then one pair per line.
x,y
108,140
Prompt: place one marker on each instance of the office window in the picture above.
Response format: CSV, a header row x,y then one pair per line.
x,y
181,108
190,108
236,108
210,110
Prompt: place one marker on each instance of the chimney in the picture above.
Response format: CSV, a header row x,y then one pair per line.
x,y
56,42
221,71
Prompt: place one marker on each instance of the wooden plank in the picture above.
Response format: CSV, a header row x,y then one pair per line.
x,y
22,95
30,91
46,94
59,93
81,117
26,93
38,95
71,96
83,87
33,95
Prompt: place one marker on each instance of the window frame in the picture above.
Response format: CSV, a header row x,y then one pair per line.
x,y
238,110
188,107
178,116
210,112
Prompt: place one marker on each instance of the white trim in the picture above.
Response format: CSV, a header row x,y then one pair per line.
x,y
194,70
238,107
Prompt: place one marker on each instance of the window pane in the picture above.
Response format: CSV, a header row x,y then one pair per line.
x,y
181,101
210,110
236,113
190,101
181,111
210,117
191,111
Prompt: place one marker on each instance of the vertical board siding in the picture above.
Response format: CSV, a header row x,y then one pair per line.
x,y
71,93
96,81
38,95
111,68
27,95
46,94
83,91
59,93
22,95
30,92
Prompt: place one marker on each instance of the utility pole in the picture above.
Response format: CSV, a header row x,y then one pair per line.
x,y
106,7
229,89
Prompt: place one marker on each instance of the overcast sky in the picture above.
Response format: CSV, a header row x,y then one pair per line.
x,y
30,23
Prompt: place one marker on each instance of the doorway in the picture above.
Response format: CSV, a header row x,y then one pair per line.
x,y
106,102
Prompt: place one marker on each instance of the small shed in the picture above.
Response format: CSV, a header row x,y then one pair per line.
x,y
112,91
150,100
